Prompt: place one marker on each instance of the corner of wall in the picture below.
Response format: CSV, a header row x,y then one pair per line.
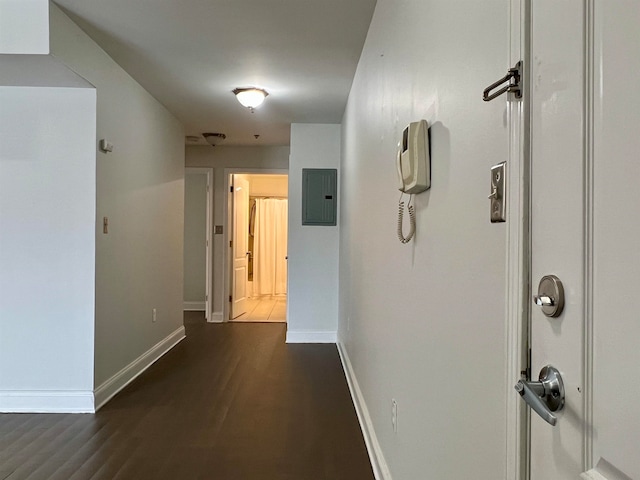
x,y
312,309
108,389
378,463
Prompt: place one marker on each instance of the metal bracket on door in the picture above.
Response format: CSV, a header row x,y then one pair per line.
x,y
513,76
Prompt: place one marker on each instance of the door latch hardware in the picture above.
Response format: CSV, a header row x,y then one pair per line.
x,y
544,396
513,76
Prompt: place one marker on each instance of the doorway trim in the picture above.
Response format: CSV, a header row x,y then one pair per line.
x,y
209,238
518,249
226,263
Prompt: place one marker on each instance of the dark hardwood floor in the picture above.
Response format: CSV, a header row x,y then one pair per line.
x,y
230,402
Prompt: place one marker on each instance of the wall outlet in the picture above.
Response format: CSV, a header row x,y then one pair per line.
x,y
394,415
154,315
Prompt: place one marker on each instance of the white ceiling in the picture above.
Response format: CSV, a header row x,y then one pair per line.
x,y
190,54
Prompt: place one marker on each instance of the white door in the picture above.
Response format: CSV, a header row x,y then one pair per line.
x,y
239,245
585,211
209,248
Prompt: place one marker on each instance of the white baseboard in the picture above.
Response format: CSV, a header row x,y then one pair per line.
x,y
108,389
311,337
378,463
193,306
46,401
216,317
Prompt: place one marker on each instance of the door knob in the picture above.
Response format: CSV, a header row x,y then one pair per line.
x,y
544,396
550,296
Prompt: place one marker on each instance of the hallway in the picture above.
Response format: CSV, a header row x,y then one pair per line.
x,y
229,402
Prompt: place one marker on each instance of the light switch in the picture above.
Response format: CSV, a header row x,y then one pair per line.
x,y
106,146
217,230
497,196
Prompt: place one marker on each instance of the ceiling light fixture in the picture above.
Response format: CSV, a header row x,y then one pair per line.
x,y
214,139
251,97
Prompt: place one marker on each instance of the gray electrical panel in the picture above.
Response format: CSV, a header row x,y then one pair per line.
x,y
319,196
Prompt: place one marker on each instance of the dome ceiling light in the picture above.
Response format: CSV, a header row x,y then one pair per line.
x,y
214,139
251,97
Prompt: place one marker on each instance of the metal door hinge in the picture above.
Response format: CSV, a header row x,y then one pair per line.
x,y
230,299
514,77
230,243
231,189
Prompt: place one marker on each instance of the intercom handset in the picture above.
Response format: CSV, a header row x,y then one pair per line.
x,y
413,158
414,170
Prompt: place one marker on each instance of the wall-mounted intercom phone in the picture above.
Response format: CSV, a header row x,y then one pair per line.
x,y
414,170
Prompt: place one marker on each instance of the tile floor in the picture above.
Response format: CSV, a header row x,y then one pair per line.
x,y
265,309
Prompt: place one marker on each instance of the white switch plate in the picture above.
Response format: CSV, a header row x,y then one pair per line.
x,y
498,192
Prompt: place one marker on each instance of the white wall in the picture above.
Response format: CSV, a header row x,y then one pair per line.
x,y
312,306
24,27
221,158
140,188
195,236
47,247
268,185
424,323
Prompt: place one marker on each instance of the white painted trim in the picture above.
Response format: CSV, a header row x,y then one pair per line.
x,y
378,463
592,475
518,253
592,117
117,382
194,306
208,171
47,401
604,471
216,317
312,337
226,218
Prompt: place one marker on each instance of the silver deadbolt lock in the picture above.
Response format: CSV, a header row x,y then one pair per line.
x,y
550,296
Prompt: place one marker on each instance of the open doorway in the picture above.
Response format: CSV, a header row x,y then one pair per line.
x,y
198,245
258,226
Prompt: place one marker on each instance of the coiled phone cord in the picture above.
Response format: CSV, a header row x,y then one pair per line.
x,y
412,220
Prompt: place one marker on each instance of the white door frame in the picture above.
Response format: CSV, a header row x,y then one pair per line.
x,y
226,256
209,238
518,249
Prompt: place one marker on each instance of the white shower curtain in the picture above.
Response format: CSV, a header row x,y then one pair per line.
x,y
270,247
